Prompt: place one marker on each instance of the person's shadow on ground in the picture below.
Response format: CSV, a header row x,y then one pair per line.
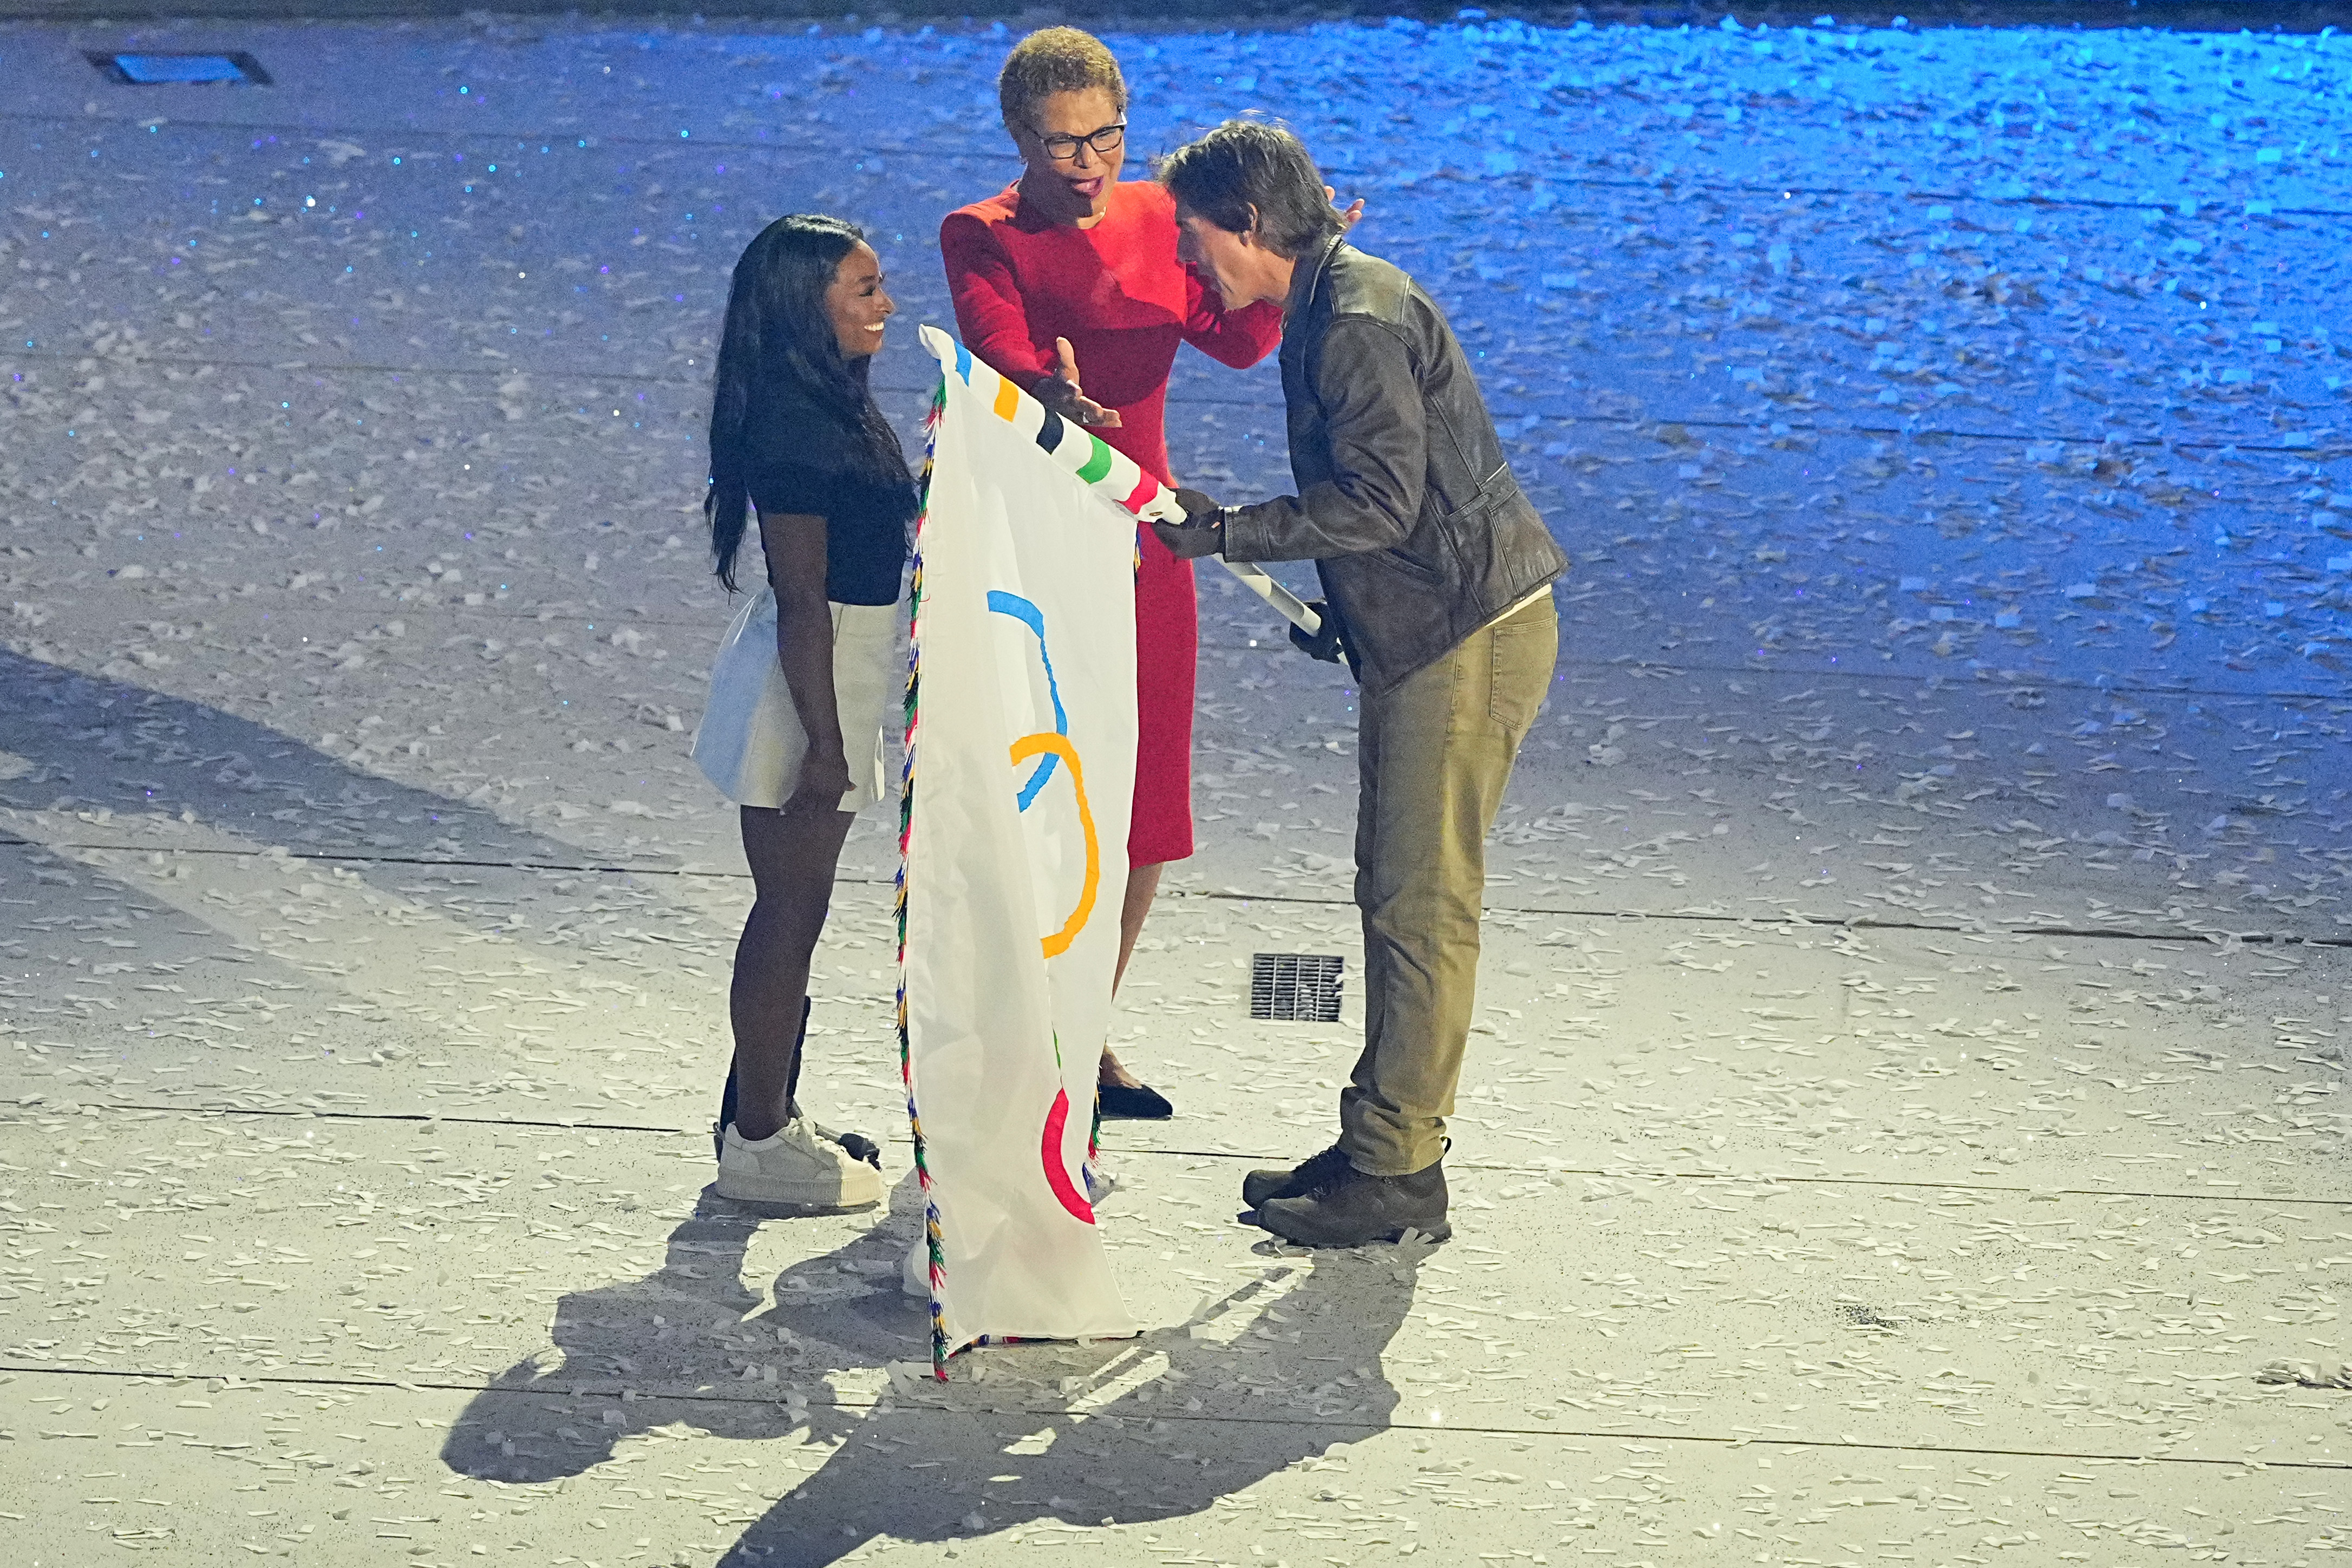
x,y
121,748
1280,1370
127,767
688,1339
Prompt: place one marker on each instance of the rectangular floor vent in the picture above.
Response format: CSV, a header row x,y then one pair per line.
x,y
155,70
1298,987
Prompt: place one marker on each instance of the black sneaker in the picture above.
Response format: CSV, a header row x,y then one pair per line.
x,y
1349,1208
1259,1186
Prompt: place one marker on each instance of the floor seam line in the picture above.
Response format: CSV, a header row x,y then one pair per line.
x,y
633,1395
1771,1178
1229,895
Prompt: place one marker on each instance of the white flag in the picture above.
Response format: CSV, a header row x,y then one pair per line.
x,y
1020,772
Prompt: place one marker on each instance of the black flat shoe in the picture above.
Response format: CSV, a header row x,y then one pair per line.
x,y
1118,1103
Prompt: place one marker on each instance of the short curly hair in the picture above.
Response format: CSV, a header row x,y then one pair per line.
x,y
1052,61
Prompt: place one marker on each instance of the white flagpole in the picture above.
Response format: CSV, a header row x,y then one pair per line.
x,y
1162,508
1275,593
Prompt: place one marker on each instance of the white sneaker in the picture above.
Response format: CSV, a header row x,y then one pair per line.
x,y
915,1272
796,1166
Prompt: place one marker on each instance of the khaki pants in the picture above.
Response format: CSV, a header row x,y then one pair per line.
x,y
1434,754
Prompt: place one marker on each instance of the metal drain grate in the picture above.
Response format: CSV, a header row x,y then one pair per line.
x,y
1298,987
158,71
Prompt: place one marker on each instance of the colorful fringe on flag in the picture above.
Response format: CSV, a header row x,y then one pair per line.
x,y
1012,829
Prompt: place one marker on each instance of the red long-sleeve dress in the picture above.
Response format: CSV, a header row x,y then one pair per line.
x,y
1124,301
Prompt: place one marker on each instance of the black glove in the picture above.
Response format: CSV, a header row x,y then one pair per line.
x,y
1328,643
1194,504
1200,533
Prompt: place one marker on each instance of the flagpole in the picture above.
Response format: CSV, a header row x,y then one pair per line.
x,y
1162,508
1275,593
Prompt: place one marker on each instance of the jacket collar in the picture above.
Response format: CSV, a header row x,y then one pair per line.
x,y
1307,276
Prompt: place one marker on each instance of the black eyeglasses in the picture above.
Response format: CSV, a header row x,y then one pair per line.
x,y
1064,149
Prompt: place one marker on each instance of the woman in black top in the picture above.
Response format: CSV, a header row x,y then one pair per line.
x,y
810,668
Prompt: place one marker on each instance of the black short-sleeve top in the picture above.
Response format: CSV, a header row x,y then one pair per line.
x,y
864,525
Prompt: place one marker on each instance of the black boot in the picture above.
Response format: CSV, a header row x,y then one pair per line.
x,y
1349,1208
1260,1186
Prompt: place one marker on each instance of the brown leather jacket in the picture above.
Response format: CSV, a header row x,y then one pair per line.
x,y
1405,503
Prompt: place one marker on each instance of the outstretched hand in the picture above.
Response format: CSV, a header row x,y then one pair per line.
x,y
1350,216
1059,392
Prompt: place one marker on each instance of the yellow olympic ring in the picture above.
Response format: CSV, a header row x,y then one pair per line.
x,y
1045,743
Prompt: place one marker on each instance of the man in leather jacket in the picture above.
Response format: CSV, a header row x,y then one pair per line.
x,y
1437,575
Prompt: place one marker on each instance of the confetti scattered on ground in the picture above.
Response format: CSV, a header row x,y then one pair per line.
x,y
1906,1116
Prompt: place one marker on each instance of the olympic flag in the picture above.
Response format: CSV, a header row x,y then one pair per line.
x,y
1020,768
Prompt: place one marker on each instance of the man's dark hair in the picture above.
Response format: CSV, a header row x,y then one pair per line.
x,y
1260,163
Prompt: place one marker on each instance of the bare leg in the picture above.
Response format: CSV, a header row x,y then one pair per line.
x,y
793,858
1143,887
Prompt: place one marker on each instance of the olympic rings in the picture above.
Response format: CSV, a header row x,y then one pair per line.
x,y
1057,1174
1045,743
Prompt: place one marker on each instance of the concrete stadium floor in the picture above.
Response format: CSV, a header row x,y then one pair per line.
x,y
1917,967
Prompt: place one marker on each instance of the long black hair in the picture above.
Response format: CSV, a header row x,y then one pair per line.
x,y
783,384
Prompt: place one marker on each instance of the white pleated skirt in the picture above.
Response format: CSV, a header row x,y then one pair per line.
x,y
751,743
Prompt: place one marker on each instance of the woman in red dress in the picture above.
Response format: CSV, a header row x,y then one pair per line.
x,y
1071,268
